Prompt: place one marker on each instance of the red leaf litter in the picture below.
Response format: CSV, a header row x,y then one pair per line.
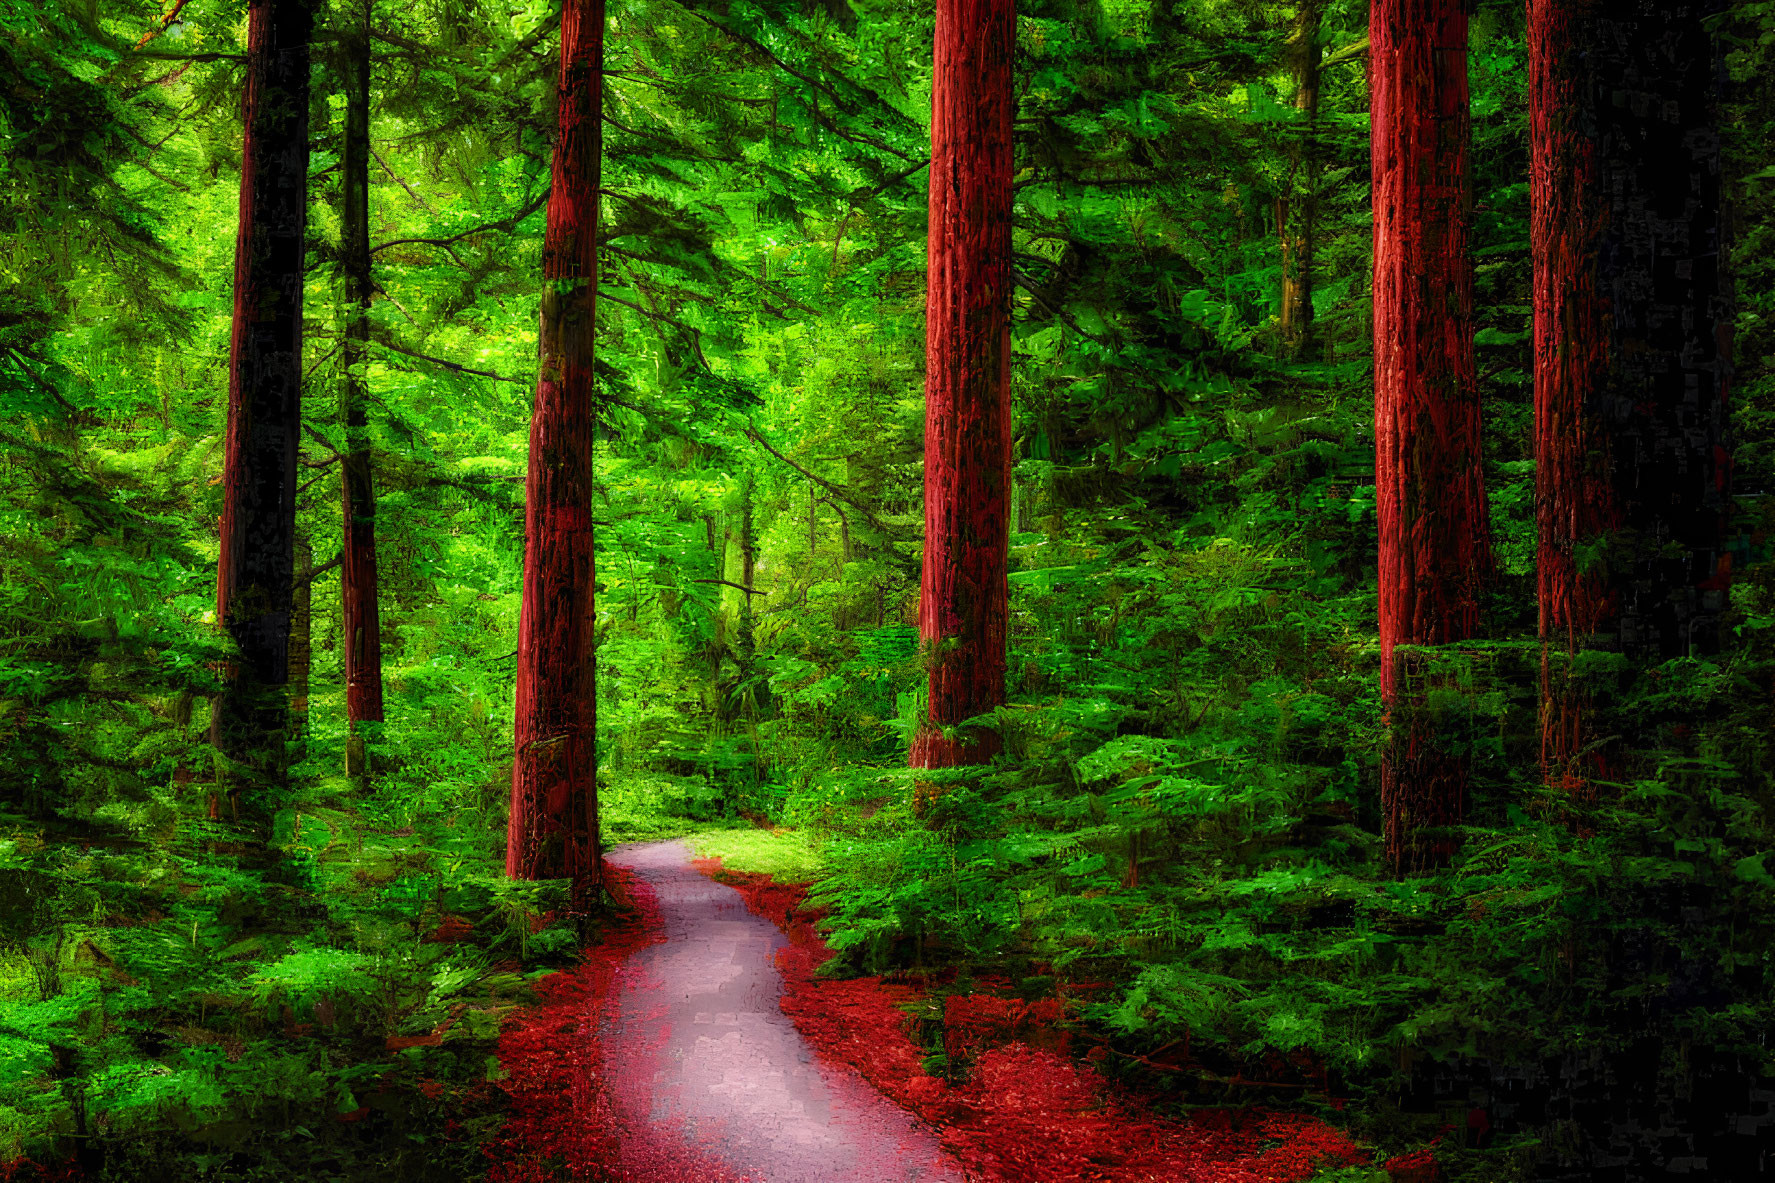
x,y
1416,1167
562,1121
1028,1112
450,931
24,1170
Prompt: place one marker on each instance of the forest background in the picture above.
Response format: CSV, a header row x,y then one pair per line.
x,y
1187,812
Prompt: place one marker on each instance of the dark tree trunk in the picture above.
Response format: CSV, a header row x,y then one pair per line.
x,y
1434,553
1300,210
253,575
962,604
553,831
362,625
1632,345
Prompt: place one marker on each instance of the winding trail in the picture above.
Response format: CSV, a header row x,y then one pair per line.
x,y
697,1050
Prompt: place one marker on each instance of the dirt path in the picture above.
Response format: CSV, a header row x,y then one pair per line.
x,y
696,1049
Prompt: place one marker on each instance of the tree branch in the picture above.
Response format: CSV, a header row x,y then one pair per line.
x,y
840,493
166,22
159,56
450,365
670,427
736,586
837,99
507,224
411,192
1354,49
1064,318
316,572
695,334
320,439
48,387
892,181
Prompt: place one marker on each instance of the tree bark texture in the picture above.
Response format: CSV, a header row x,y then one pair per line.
x,y
1632,348
362,625
254,571
962,604
1434,553
1300,209
553,832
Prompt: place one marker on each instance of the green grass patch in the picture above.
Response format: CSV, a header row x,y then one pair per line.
x,y
791,856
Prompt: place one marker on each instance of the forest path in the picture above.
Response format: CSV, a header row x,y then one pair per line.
x,y
697,1050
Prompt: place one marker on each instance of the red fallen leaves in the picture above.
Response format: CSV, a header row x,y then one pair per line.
x,y
1026,1114
24,1170
450,930
972,1022
1417,1167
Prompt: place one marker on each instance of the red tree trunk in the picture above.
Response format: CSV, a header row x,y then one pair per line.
x,y
258,527
1428,489
362,622
962,605
1631,347
553,832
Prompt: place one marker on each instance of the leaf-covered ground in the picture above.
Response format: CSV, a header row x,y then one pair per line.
x,y
1013,1105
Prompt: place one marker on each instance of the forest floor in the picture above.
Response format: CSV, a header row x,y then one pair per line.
x,y
703,1048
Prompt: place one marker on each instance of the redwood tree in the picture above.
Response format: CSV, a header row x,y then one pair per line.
x,y
553,831
962,604
1631,347
1428,489
258,526
362,624
1297,212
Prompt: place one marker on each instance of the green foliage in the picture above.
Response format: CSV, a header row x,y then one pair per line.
x,y
1186,812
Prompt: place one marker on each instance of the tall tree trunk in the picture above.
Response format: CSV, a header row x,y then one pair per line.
x,y
362,625
253,574
553,832
758,696
1434,551
962,604
1300,210
1632,343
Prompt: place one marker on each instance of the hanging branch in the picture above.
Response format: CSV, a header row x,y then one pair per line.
x,y
411,192
836,491
450,365
1064,318
667,425
837,99
892,181
48,387
166,22
505,224
696,334
736,586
